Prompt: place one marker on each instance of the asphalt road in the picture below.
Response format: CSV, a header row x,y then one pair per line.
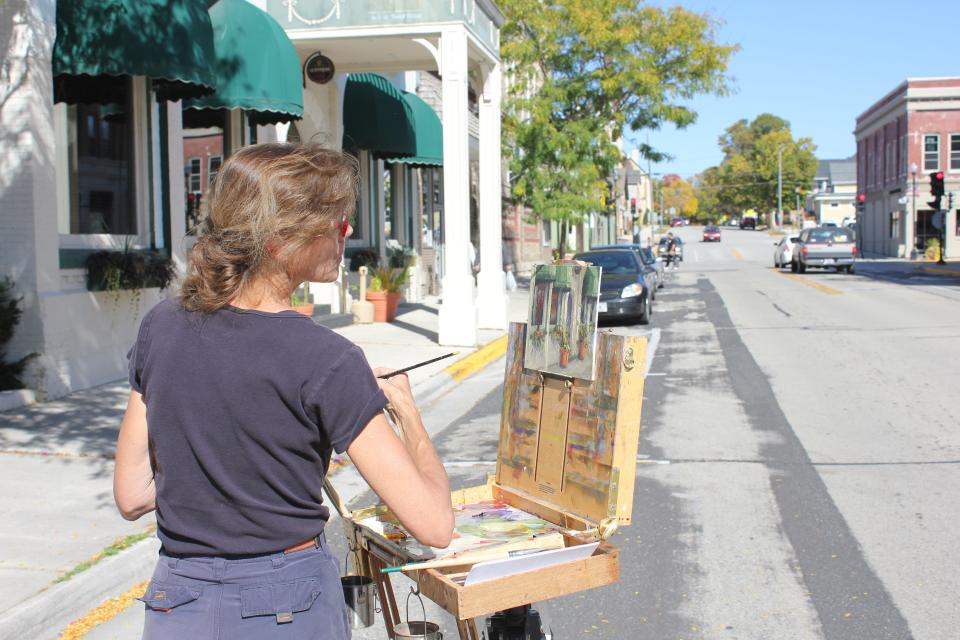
x,y
799,462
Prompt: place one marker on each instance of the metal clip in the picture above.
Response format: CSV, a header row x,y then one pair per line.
x,y
628,362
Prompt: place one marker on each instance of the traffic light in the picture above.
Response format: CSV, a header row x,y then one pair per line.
x,y
633,207
936,189
861,202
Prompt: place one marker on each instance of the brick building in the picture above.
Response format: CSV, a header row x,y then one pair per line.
x,y
903,137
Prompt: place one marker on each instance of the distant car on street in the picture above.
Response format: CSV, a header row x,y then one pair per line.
x,y
825,247
626,284
647,257
783,251
676,222
748,222
711,233
733,222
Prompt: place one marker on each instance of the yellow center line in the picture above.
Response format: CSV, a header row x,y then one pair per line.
x,y
822,288
736,254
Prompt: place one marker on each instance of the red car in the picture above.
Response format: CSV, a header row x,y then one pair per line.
x,y
676,222
711,234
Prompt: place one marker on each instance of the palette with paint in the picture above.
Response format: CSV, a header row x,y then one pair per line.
x,y
566,462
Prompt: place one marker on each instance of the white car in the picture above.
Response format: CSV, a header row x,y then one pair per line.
x,y
783,253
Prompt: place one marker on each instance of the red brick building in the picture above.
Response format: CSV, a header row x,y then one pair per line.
x,y
903,137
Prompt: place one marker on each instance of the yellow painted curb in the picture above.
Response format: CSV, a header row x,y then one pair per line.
x,y
939,271
737,254
822,288
463,369
103,613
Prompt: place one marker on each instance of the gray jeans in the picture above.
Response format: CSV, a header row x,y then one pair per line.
x,y
292,596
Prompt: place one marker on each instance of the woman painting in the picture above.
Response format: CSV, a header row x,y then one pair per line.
x,y
237,402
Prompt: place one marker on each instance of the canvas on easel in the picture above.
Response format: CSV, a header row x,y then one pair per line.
x,y
563,320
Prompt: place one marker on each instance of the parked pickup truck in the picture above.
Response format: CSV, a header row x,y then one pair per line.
x,y
825,247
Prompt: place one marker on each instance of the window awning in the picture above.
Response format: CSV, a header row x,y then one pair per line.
x,y
428,134
101,43
257,68
377,118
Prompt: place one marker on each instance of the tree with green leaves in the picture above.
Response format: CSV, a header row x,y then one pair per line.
x,y
579,73
747,176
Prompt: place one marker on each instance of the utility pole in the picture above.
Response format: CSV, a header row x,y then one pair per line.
x,y
913,222
776,215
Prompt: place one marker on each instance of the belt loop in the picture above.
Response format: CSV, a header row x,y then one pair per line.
x,y
219,567
278,560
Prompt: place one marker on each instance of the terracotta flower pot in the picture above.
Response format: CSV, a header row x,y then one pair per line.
x,y
384,305
582,353
564,358
305,309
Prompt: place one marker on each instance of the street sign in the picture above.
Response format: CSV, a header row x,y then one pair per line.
x,y
937,220
673,211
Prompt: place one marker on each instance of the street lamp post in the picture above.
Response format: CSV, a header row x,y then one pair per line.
x,y
913,172
797,210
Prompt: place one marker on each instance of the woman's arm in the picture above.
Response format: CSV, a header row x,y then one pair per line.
x,y
405,470
133,487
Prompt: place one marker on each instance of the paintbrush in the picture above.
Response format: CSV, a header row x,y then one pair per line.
x,y
498,552
416,366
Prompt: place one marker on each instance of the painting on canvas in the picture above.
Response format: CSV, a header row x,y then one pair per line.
x,y
562,331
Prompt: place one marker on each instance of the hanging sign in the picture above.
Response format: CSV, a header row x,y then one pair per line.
x,y
319,68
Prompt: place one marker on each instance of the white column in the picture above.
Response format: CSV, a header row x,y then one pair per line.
x,y
492,299
458,313
176,186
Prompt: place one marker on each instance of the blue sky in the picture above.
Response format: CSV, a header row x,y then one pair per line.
x,y
816,63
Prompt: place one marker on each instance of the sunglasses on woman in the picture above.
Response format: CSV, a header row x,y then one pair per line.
x,y
344,227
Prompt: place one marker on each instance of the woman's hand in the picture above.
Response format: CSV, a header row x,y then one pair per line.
x,y
398,392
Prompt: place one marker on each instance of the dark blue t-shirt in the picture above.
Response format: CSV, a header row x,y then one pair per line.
x,y
243,410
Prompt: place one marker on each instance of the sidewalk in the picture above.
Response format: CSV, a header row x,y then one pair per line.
x,y
56,459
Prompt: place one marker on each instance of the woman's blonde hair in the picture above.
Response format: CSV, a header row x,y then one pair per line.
x,y
275,193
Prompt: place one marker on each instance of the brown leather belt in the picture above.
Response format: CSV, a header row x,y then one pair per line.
x,y
312,543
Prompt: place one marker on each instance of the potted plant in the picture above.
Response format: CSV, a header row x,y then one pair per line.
x,y
537,337
302,305
384,292
564,349
583,337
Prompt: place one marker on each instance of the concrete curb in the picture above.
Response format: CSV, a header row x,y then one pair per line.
x,y
16,399
45,615
433,388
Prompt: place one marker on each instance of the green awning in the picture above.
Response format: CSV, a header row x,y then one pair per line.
x,y
102,43
428,134
377,118
257,67
544,273
564,277
591,282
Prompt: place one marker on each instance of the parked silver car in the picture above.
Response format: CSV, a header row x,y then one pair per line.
x,y
783,251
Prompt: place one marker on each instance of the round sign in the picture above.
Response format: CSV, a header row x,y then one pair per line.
x,y
319,68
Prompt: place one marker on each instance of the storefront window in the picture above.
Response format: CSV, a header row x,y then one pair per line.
x,y
203,151
100,151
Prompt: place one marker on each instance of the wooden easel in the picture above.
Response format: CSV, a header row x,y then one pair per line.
x,y
567,454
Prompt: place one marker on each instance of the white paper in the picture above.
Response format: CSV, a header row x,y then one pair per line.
x,y
483,571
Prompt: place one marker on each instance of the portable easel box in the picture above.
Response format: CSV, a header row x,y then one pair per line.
x,y
567,453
